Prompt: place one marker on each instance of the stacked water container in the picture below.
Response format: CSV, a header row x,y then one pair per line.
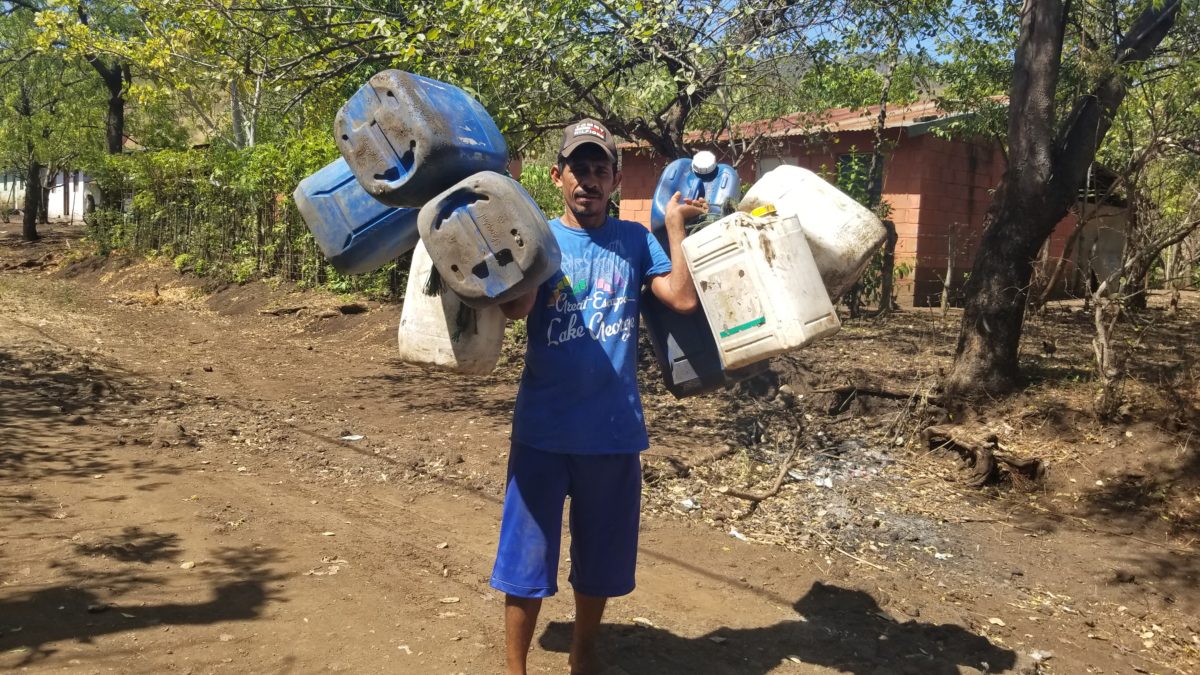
x,y
683,343
421,164
766,275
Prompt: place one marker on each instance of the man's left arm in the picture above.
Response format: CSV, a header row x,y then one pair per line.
x,y
675,288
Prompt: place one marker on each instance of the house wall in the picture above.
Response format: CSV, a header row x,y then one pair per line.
x,y
640,169
955,185
938,190
903,170
68,194
12,190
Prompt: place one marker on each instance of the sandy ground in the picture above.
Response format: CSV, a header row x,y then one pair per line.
x,y
188,484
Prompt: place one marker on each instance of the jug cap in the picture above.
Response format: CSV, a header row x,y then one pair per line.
x,y
704,162
764,210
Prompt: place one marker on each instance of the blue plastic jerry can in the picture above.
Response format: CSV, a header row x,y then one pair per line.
x,y
408,137
685,349
700,176
683,344
686,352
356,232
488,239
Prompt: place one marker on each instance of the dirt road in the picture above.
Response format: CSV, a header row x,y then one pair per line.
x,y
191,485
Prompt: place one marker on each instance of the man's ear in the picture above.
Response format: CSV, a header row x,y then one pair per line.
x,y
556,175
616,180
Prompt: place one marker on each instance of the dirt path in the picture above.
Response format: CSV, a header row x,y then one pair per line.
x,y
188,485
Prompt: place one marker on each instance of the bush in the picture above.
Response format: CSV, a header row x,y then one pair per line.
x,y
223,211
537,182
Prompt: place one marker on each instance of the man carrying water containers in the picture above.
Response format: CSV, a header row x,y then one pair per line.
x,y
578,427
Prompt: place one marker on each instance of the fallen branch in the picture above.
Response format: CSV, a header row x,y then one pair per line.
x,y
851,556
851,390
846,394
979,453
682,468
757,497
280,311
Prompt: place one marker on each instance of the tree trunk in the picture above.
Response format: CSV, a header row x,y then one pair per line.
x,y
33,201
887,270
994,314
238,122
1046,168
115,120
946,283
1133,287
115,76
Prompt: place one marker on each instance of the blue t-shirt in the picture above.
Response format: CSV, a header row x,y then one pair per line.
x,y
579,390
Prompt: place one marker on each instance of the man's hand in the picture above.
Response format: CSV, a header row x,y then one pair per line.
x,y
519,308
681,211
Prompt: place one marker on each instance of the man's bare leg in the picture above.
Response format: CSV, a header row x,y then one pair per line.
x,y
520,618
589,609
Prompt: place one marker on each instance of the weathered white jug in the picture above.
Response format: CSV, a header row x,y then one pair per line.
x,y
842,234
440,331
759,287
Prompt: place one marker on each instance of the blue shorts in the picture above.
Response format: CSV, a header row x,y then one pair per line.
x,y
606,493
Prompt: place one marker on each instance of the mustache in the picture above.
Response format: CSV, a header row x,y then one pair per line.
x,y
585,192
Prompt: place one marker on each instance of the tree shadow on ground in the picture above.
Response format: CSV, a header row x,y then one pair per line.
x,y
134,544
411,385
55,406
92,603
1154,508
841,628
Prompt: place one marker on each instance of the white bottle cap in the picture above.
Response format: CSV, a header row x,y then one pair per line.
x,y
704,162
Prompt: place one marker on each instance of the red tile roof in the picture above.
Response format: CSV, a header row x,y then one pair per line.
x,y
826,121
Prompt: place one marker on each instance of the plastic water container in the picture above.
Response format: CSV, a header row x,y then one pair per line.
x,y
408,137
686,353
700,176
441,332
356,232
684,347
759,287
842,234
488,239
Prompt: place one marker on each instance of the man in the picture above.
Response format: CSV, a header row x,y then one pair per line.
x,y
578,426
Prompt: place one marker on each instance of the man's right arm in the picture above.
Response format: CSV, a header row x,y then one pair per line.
x,y
520,307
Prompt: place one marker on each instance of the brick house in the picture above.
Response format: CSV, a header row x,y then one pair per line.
x,y
938,188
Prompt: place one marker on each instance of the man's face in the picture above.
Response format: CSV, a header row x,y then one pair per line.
x,y
587,179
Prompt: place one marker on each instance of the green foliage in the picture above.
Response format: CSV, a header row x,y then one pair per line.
x,y
224,212
537,182
50,101
854,178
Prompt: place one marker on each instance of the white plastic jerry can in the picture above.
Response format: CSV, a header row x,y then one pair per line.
x,y
759,287
842,234
440,331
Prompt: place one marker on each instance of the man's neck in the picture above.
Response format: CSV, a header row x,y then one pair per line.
x,y
569,219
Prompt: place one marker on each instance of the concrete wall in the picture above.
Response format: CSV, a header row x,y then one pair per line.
x,y
68,194
12,190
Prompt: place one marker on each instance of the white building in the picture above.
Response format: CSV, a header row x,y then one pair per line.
x,y
72,194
